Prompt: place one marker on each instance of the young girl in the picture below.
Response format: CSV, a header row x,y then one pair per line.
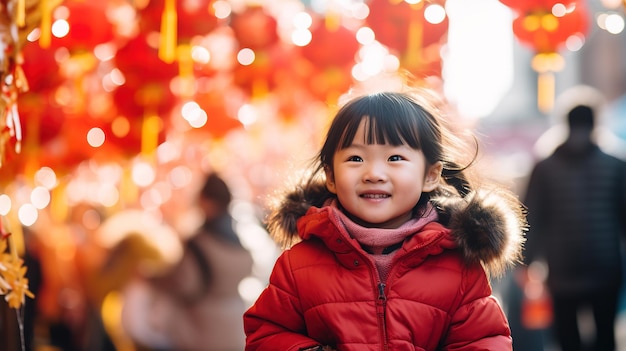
x,y
391,246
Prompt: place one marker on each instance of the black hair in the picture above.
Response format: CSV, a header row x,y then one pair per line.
x,y
216,189
397,118
581,116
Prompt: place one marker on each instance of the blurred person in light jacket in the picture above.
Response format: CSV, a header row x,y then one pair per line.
x,y
203,287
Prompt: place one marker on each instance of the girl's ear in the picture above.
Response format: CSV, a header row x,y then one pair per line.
x,y
330,180
433,175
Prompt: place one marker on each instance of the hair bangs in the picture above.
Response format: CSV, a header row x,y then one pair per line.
x,y
389,120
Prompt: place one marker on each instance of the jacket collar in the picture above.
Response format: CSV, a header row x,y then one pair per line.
x,y
487,225
322,224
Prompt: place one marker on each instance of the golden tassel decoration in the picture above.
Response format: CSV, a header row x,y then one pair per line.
x,y
20,16
332,20
32,146
259,88
129,191
546,64
185,71
413,55
545,91
46,24
150,134
169,23
13,226
59,208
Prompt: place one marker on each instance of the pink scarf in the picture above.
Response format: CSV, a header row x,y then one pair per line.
x,y
376,240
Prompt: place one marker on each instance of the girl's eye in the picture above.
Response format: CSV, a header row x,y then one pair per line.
x,y
355,159
396,158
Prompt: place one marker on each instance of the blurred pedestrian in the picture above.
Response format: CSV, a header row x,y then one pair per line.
x,y
202,289
576,201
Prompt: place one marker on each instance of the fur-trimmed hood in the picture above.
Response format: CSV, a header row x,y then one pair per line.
x,y
488,225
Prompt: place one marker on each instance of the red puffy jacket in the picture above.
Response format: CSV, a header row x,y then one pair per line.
x,y
325,290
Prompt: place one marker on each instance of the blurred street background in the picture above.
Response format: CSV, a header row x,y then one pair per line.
x,y
113,111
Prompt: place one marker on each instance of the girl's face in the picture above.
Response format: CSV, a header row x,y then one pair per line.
x,y
378,185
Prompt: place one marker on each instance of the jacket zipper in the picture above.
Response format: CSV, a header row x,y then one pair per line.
x,y
381,311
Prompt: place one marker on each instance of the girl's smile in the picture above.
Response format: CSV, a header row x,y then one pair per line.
x,y
375,195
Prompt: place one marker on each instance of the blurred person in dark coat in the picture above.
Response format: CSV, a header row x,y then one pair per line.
x,y
576,200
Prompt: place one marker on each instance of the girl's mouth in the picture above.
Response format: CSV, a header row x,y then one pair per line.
x,y
375,196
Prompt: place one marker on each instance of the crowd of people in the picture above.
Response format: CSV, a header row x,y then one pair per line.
x,y
394,239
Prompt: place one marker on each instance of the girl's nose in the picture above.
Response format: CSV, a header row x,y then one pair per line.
x,y
375,172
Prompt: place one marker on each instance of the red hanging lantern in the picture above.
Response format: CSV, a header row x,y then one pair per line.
x,y
40,68
339,41
254,28
267,71
42,118
178,22
71,147
83,35
545,26
194,17
146,76
546,32
219,121
145,96
331,73
404,29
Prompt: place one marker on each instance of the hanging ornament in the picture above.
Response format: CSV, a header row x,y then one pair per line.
x,y
13,281
83,36
414,32
332,74
145,99
12,83
545,26
256,30
169,23
178,22
221,117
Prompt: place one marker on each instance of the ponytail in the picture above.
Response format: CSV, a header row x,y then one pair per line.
x,y
455,177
